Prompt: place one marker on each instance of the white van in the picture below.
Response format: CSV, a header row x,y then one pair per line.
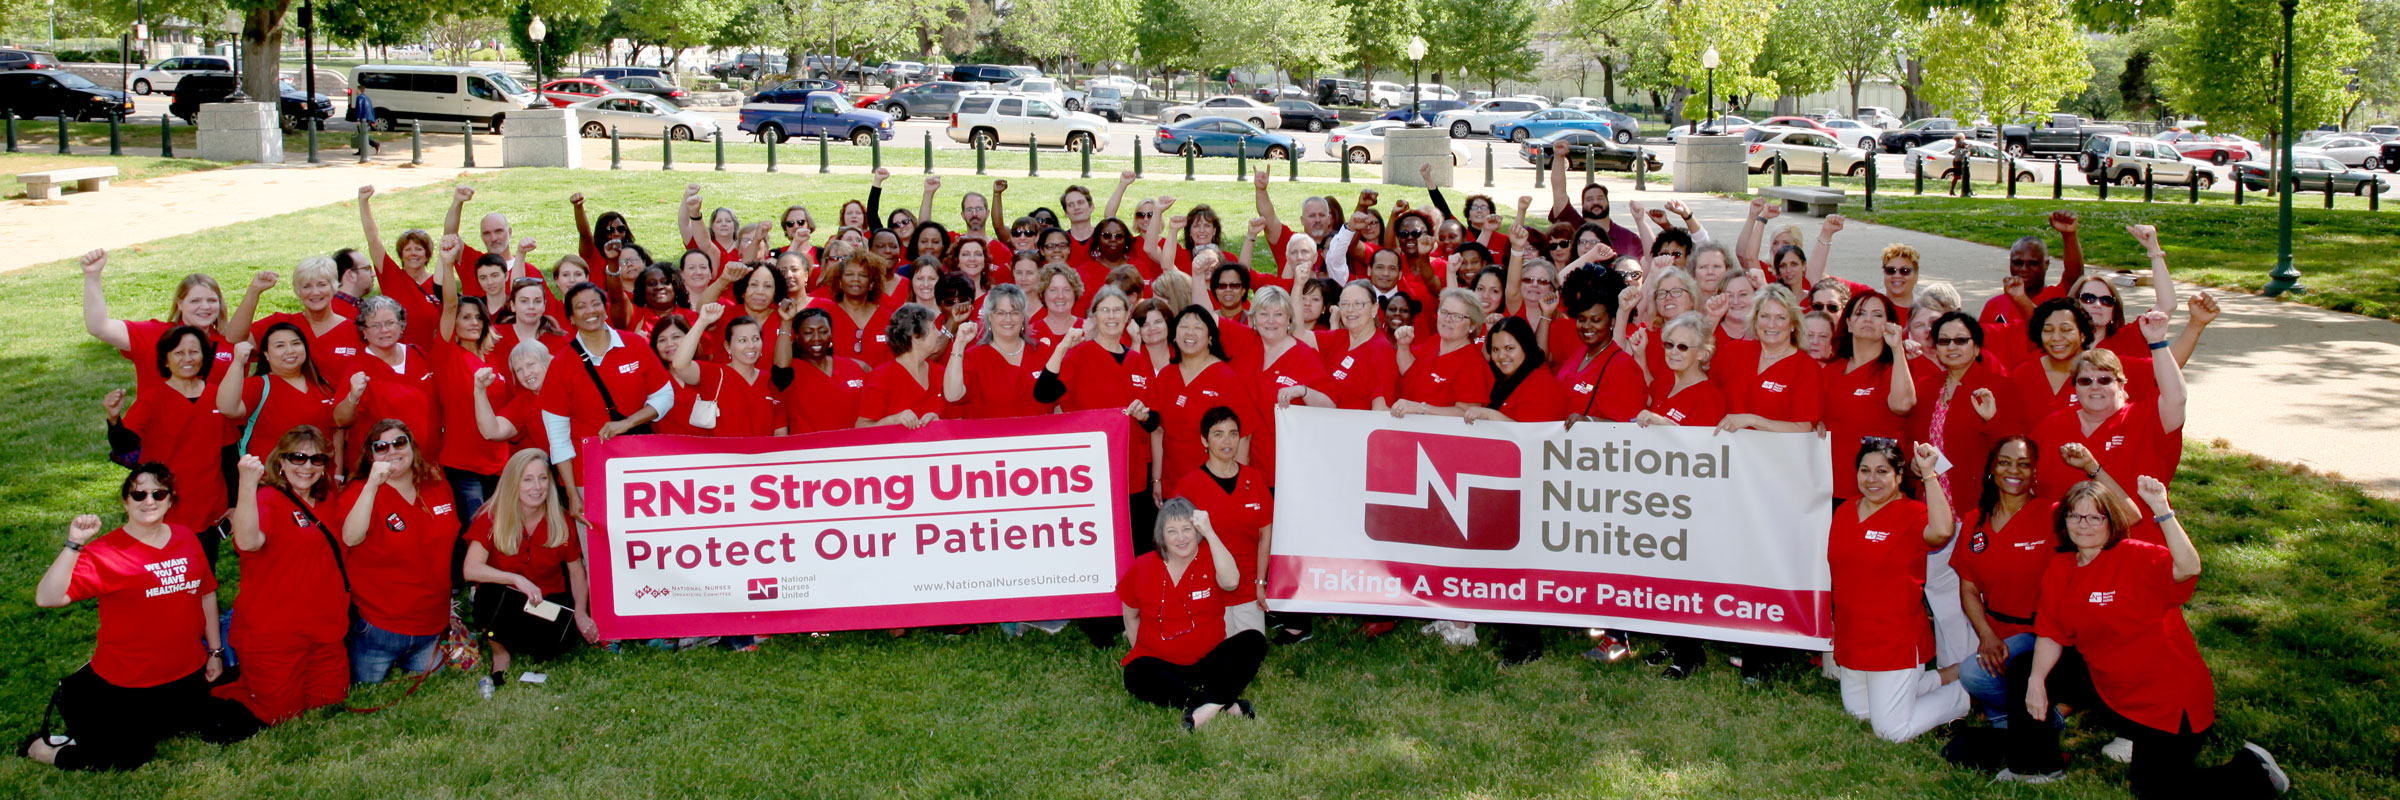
x,y
465,95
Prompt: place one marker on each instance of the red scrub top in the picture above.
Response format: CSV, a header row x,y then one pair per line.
x,y
463,445
1363,374
1180,621
1238,517
996,388
1788,390
1700,405
185,434
410,393
400,574
2006,564
1966,438
1538,398
1443,380
1181,403
744,407
1605,386
890,388
144,336
1098,379
150,606
291,585
2124,613
1878,566
1298,366
2128,445
630,372
1857,404
818,401
332,351
869,342
546,566
286,407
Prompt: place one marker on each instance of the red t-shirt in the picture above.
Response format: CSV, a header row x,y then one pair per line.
x,y
1788,390
1363,374
287,407
890,389
505,339
630,371
1878,567
524,412
546,566
1238,517
869,342
1097,379
1298,366
1700,405
744,407
291,585
2124,613
410,393
144,335
2006,564
1607,386
332,351
400,573
463,445
996,388
816,401
150,620
1447,379
2128,444
1180,621
2032,399
1857,404
1243,349
185,434
1182,403
1538,398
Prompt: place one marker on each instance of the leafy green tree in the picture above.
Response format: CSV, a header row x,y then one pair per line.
x,y
2378,74
1602,29
1501,46
1737,29
1379,31
2013,70
570,26
1858,37
1103,29
1168,36
2225,65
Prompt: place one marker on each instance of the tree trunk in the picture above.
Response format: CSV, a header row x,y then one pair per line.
x,y
1917,108
1854,82
1674,105
262,52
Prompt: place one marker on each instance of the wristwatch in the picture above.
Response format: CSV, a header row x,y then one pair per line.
x,y
74,545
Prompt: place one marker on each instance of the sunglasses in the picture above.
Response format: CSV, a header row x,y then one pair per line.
x,y
141,495
1829,308
1224,286
1022,232
2103,380
1112,235
1678,346
1534,281
1561,245
1899,272
1954,341
2104,301
312,459
394,443
793,223
1143,215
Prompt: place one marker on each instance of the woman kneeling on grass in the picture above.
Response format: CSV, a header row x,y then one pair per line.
x,y
1175,615
524,553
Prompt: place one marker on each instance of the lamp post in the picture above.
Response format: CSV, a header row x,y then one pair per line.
x,y
1709,61
2284,278
1416,103
308,49
535,31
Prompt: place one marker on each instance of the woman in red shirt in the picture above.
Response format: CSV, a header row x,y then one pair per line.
x,y
742,393
198,304
1290,373
1868,391
2130,439
1683,395
1198,379
180,425
295,593
399,524
820,389
2007,543
1364,367
521,551
2112,635
517,419
860,317
907,390
332,340
1523,390
305,397
1175,615
1602,381
994,377
604,385
1103,373
1881,639
395,378
1242,511
1770,383
1062,292
158,643
1447,376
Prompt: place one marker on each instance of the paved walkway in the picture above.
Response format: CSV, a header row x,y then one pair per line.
x,y
2286,381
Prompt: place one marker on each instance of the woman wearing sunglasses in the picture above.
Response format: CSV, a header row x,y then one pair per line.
x,y
2130,438
1446,376
399,524
295,596
1900,267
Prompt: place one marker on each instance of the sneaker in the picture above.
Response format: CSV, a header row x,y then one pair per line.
x,y
2275,776
1432,628
2009,776
1460,635
690,642
2120,750
1607,649
484,686
1676,671
1378,628
1013,629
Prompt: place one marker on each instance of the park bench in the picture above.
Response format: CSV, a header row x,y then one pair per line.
x,y
45,185
1818,201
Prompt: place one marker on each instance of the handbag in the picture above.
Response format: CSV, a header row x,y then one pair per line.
x,y
704,410
606,401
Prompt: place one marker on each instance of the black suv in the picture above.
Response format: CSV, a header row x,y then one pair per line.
x,y
982,73
34,93
291,110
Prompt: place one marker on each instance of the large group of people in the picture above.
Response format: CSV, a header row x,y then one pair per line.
x,y
413,430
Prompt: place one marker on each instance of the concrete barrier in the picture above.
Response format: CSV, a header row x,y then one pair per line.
x,y
240,132
1711,164
1407,149
541,137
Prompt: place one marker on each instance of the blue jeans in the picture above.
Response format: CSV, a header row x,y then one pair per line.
x,y
374,651
1989,690
469,490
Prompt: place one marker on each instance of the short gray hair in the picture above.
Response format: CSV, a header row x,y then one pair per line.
x,y
993,297
908,322
381,302
1174,510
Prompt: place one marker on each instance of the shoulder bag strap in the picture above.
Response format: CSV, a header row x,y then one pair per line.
x,y
266,385
330,540
585,356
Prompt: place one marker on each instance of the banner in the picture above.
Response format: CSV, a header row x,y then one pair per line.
x,y
1666,530
951,524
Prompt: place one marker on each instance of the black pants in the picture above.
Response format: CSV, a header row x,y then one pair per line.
x,y
500,613
1219,677
118,727
2163,761
1522,641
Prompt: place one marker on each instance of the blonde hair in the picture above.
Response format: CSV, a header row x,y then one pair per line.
x,y
1937,298
1473,303
184,289
314,267
1781,295
1053,271
508,524
1898,250
1799,237
1174,288
1276,298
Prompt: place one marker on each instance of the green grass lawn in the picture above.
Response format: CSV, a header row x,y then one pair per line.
x,y
1903,185
2296,615
2351,258
129,168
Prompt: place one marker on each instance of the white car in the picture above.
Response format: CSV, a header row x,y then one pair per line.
x,y
2352,151
1583,104
1478,118
1866,137
1435,91
995,118
640,116
1936,160
1826,114
1725,124
1877,116
1125,86
1801,150
1387,94
164,75
1045,88
1362,143
1227,105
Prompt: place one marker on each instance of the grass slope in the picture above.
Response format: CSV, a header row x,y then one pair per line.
x,y
2296,615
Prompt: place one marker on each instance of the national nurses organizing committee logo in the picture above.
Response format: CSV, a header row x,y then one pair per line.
x,y
765,588
1442,491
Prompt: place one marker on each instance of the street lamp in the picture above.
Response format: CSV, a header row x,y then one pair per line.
x,y
2284,278
1416,105
535,32
1709,61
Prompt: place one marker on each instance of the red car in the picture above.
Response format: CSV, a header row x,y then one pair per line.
x,y
569,91
1804,122
2218,150
869,100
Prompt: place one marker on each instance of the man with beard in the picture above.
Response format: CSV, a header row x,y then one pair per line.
x,y
1594,208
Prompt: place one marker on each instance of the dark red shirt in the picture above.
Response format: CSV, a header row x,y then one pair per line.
x,y
291,585
817,401
2006,563
400,574
1239,517
1180,621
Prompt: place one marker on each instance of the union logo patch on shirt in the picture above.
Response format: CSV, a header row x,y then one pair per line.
x,y
392,523
1978,542
1877,536
301,519
2103,598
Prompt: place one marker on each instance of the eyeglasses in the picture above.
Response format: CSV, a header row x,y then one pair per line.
x,y
312,459
140,495
2097,380
1143,215
1953,341
1675,292
1224,286
1353,304
1899,272
1453,315
382,324
2088,519
1534,281
2102,300
1411,233
388,445
1112,235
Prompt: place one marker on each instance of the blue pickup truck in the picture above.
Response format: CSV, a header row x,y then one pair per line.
x,y
782,113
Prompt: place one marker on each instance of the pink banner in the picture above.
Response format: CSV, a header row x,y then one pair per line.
x,y
1483,594
954,523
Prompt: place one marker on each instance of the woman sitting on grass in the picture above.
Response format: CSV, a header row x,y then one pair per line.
x,y
1175,615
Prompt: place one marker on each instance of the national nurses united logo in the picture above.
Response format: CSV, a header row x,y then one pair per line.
x,y
1442,491
765,588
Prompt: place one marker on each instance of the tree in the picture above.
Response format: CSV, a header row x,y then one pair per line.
x,y
1489,39
570,26
1168,36
2010,71
675,24
1738,31
1103,30
1037,27
2378,75
2225,64
1644,44
2103,97
374,23
2137,86
2107,16
1797,57
1604,27
1858,42
1379,31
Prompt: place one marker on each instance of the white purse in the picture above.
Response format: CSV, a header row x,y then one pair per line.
x,y
704,411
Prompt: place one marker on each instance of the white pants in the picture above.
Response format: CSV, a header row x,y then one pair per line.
x,y
1902,703
1953,636
1250,616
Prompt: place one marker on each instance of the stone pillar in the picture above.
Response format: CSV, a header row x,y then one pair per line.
x,y
240,132
1711,164
540,137
1405,149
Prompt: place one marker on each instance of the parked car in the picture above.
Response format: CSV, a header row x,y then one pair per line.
x,y
292,109
2312,171
893,73
811,85
1929,129
1341,92
1126,87
611,74
1862,135
2126,158
569,91
1582,146
12,58
2352,151
1436,91
467,95
827,66
750,65
989,119
640,116
1581,103
1046,88
1228,105
1386,94
2216,150
1479,117
1726,124
1106,102
934,99
982,73
2391,156
875,100
1307,116
1362,142
777,114
1878,116
644,84
1939,160
1802,150
163,76
33,93
1431,109
1543,123
1798,122
2060,135
1270,94
1224,136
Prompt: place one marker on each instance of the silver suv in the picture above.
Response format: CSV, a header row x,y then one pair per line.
x,y
2123,158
